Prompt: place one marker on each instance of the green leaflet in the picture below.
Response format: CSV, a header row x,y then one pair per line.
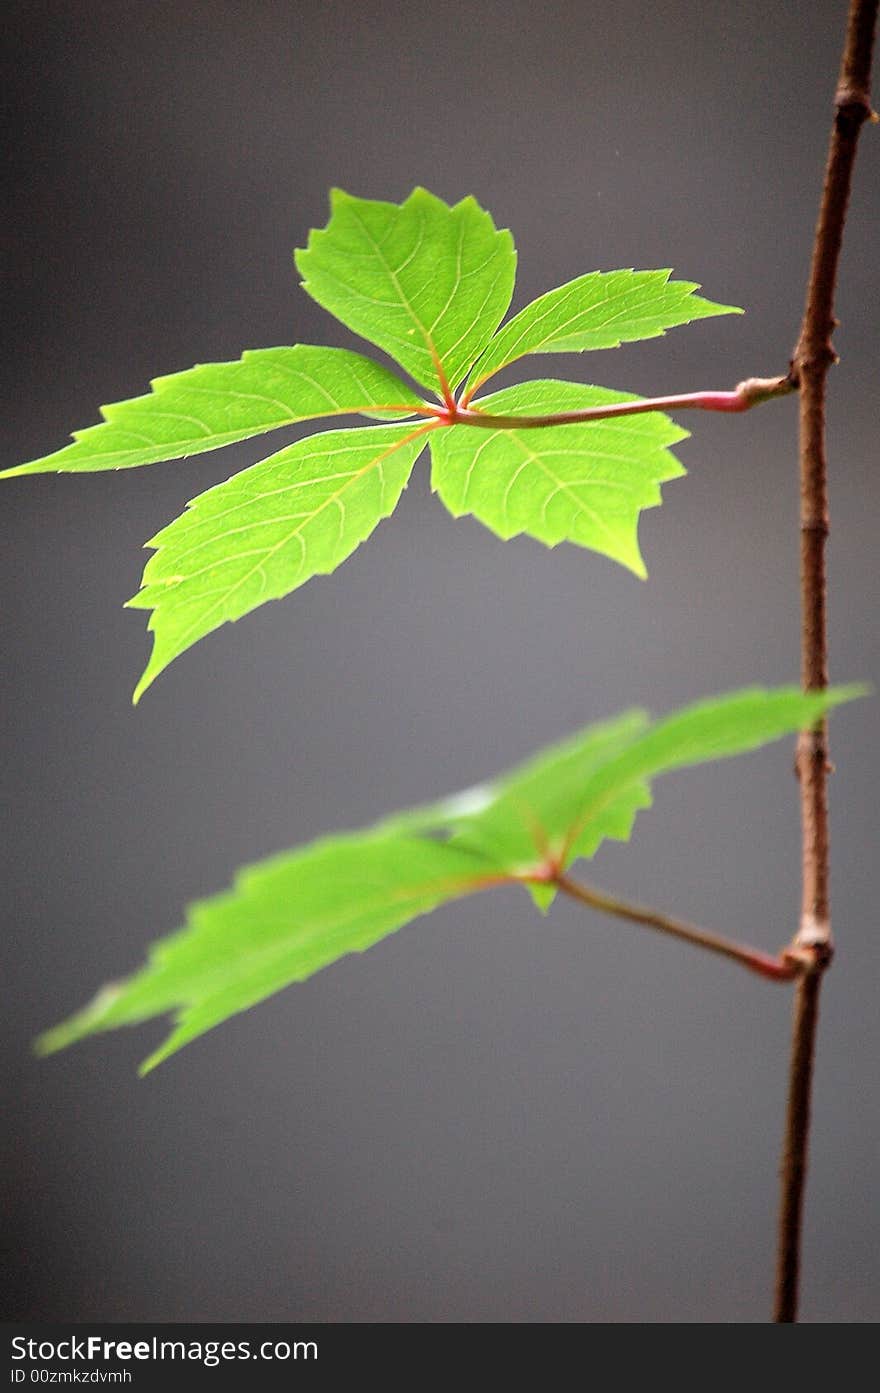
x,y
584,483
300,911
427,282
282,921
586,791
564,802
267,530
602,309
215,404
518,820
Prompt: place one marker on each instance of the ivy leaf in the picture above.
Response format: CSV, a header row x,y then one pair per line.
x,y
215,404
583,483
302,910
267,530
427,282
602,309
282,921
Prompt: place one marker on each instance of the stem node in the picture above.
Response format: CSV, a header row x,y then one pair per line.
x,y
852,107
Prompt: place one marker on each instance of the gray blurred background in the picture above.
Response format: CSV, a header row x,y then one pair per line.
x,y
491,1116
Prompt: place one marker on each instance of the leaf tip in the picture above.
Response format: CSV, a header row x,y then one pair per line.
x,y
58,1037
149,676
169,1046
152,1062
34,467
46,1043
712,307
851,691
542,893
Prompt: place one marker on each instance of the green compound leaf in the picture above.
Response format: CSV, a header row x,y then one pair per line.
x,y
215,404
584,483
302,910
266,531
602,309
282,921
427,282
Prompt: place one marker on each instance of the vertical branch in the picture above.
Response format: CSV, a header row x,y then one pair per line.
x,y
813,356
794,1155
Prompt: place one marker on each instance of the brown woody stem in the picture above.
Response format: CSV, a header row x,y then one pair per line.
x,y
813,356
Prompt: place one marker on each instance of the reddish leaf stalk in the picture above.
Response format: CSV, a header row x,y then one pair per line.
x,y
813,356
781,968
748,394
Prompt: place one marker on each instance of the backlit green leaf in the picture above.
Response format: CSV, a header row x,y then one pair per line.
x,y
602,309
215,404
427,282
302,910
267,530
584,483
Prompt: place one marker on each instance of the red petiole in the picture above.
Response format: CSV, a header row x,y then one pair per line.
x,y
748,394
